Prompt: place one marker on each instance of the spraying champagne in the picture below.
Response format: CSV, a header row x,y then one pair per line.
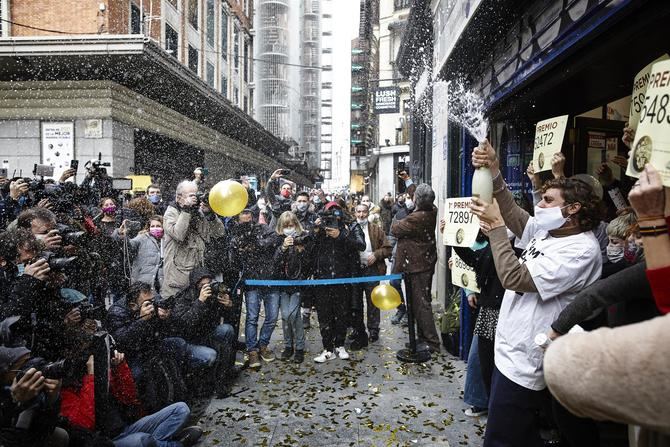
x,y
482,181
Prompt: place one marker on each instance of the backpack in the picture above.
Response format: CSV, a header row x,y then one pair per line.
x,y
162,384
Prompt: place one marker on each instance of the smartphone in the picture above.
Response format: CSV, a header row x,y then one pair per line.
x,y
285,171
74,164
122,184
43,170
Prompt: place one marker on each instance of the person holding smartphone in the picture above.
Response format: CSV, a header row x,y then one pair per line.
x,y
279,196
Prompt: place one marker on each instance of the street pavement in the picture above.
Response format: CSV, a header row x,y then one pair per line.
x,y
370,400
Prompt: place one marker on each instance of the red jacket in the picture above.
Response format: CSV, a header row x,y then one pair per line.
x,y
659,280
78,406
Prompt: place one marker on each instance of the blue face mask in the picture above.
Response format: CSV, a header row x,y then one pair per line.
x,y
22,200
155,199
479,245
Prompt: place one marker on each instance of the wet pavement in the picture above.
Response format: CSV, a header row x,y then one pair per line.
x,y
370,400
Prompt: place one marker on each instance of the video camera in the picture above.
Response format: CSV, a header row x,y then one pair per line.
x,y
97,168
332,218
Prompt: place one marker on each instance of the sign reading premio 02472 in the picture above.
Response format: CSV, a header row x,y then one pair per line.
x,y
387,100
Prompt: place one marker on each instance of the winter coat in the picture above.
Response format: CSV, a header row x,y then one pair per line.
x,y
277,203
416,250
295,262
381,247
135,337
194,320
186,236
333,257
252,248
147,262
386,215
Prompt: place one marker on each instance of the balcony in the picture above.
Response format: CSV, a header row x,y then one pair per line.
x,y
401,4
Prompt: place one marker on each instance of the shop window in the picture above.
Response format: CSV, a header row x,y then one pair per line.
x,y
193,13
171,41
193,59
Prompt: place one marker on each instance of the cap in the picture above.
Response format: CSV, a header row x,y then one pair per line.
x,y
9,356
330,205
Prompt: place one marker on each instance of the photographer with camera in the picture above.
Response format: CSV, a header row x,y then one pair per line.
x,y
146,253
198,312
29,401
189,225
334,243
279,195
13,198
142,325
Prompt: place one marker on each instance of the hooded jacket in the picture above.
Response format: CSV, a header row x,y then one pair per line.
x,y
194,319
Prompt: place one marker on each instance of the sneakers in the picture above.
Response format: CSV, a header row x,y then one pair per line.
x,y
342,353
475,412
267,354
398,316
286,354
254,360
242,360
324,357
189,435
299,356
306,321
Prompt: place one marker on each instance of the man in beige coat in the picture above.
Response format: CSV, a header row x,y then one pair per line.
x,y
188,227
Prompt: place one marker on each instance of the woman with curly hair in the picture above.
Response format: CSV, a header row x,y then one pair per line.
x,y
561,257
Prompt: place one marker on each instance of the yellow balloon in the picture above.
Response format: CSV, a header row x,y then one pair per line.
x,y
385,297
228,198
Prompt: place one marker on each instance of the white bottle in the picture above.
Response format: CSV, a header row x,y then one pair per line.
x,y
482,184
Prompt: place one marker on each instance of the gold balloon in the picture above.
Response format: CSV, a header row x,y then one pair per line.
x,y
385,297
228,198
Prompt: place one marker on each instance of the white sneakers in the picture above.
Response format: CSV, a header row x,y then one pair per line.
x,y
327,355
324,356
342,353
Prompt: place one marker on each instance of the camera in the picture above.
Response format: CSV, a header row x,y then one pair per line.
x,y
218,288
90,312
58,264
331,218
163,303
133,226
97,168
50,370
285,171
69,235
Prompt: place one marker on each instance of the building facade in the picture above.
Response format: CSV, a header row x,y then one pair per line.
x,y
154,87
327,89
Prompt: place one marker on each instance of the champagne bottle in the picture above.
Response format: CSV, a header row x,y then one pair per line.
x,y
482,184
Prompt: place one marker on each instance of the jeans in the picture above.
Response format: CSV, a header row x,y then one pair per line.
x,y
292,321
156,429
475,391
205,355
270,300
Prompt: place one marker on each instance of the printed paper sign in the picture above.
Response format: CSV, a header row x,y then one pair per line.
x,y
548,141
639,89
461,226
462,275
57,145
652,138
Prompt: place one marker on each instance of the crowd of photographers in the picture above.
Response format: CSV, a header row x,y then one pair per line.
x,y
116,310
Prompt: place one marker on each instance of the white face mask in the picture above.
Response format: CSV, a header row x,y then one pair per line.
x,y
362,222
549,218
409,203
301,206
614,253
289,231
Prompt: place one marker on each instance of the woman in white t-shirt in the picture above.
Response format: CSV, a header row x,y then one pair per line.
x,y
561,257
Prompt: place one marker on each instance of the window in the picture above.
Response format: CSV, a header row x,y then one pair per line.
x,y
193,59
135,19
246,104
246,61
210,22
236,47
171,41
210,74
236,96
224,85
193,13
224,34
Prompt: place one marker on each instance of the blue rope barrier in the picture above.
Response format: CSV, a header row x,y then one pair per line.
x,y
320,282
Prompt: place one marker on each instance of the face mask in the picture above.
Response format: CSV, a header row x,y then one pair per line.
x,y
409,203
285,193
156,232
261,206
109,209
362,222
155,199
21,269
549,218
631,251
22,200
289,231
302,207
614,253
316,200
478,245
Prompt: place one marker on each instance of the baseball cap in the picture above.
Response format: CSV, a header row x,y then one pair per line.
x,y
9,356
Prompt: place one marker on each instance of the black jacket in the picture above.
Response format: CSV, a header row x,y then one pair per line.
x,y
134,336
492,291
333,257
252,248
